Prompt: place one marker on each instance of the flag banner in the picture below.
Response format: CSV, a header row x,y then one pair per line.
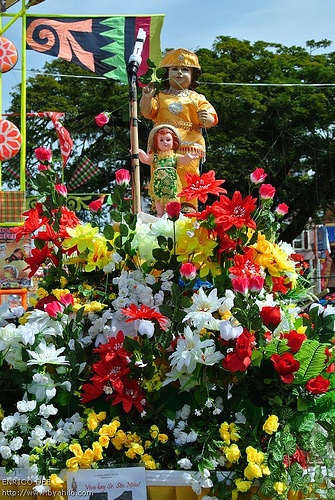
x,y
64,138
85,171
102,45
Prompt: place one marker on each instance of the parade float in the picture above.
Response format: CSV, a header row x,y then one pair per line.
x,y
187,343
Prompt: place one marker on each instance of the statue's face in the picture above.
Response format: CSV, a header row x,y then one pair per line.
x,y
180,77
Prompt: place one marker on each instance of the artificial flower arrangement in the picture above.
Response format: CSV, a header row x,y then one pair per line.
x,y
183,343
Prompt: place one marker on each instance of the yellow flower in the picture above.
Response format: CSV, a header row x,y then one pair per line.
x,y
265,470
119,440
56,482
252,471
82,237
154,431
242,485
92,421
254,456
149,462
41,293
234,435
271,424
97,450
279,487
104,441
110,429
224,432
87,459
59,292
163,438
76,449
233,453
234,495
63,281
72,463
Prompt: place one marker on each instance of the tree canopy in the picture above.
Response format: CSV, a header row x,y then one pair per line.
x,y
275,106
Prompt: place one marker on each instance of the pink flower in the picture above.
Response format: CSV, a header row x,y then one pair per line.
x,y
61,189
102,119
122,177
256,283
241,285
282,209
258,176
96,205
44,155
53,308
173,209
188,271
267,192
66,300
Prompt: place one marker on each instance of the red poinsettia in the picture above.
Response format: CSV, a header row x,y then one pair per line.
x,y
285,365
38,257
200,186
33,222
131,395
145,312
235,212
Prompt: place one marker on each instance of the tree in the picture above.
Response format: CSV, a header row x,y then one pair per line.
x,y
276,111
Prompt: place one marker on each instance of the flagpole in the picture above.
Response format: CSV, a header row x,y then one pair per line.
x,y
134,62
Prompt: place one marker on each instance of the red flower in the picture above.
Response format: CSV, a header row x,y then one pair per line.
x,y
122,177
33,222
241,285
130,396
102,119
96,205
53,308
61,189
317,385
38,257
200,186
67,219
173,209
145,312
258,176
281,209
294,340
271,316
235,212
91,390
285,365
267,192
44,155
240,358
278,284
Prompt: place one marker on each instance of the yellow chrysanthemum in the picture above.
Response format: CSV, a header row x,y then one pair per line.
x,y
271,257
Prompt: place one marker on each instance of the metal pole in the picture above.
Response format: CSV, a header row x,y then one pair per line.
x,y
134,62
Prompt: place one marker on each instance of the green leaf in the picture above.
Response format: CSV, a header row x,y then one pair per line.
x,y
311,357
108,232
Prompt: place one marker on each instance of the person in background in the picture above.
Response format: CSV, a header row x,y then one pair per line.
x,y
164,141
180,106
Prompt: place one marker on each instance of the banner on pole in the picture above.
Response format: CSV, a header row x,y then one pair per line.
x,y
102,45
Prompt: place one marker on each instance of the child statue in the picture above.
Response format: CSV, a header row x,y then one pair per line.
x,y
179,105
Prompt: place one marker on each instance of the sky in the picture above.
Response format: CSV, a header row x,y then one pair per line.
x,y
195,24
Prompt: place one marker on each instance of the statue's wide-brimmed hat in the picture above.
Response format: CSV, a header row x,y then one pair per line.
x,y
154,131
180,57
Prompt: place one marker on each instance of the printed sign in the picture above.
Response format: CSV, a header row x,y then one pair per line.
x,y
12,264
108,484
